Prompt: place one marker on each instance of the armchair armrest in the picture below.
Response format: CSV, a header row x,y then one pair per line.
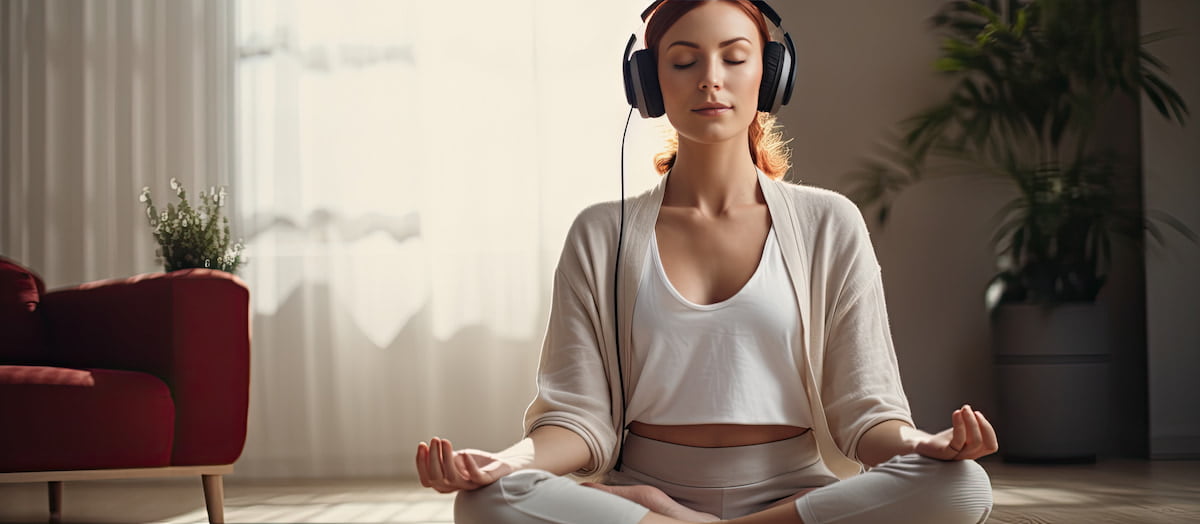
x,y
190,328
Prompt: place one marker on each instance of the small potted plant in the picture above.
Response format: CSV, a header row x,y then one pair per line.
x,y
1031,77
193,237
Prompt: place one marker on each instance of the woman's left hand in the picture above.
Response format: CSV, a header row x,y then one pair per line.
x,y
971,437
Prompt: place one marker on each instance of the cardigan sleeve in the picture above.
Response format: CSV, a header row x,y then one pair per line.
x,y
572,386
861,385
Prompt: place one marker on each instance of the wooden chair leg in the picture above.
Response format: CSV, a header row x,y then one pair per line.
x,y
214,498
55,490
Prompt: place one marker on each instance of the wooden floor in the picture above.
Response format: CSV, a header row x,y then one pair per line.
x,y
1111,491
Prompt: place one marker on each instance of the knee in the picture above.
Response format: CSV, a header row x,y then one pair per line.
x,y
967,489
494,503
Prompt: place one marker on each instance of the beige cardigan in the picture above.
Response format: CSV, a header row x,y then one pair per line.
x,y
846,357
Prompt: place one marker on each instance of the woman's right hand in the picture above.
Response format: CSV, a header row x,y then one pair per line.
x,y
447,471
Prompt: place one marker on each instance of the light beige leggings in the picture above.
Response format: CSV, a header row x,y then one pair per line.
x,y
736,481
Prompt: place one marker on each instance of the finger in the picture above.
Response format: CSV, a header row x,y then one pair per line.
x,y
960,431
990,443
974,435
448,468
436,475
473,472
422,464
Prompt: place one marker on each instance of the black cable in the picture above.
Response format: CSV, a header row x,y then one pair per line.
x,y
616,288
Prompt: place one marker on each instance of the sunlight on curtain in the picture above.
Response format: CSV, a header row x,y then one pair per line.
x,y
406,177
97,100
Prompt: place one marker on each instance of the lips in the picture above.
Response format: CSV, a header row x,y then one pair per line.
x,y
716,111
711,109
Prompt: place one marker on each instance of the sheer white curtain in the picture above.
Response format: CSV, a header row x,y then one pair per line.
x,y
407,172
97,100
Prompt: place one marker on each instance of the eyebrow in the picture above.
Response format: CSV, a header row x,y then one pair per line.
x,y
697,46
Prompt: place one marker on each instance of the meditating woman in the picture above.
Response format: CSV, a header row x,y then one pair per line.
x,y
718,346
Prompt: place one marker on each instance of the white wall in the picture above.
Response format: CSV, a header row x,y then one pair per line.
x,y
1171,164
865,66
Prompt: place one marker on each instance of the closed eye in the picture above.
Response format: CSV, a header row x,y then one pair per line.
x,y
685,66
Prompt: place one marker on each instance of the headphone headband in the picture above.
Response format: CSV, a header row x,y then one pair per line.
x,y
760,4
779,69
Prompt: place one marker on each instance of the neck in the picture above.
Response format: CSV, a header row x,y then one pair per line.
x,y
713,178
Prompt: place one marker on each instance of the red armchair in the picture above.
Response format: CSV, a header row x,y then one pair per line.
x,y
142,377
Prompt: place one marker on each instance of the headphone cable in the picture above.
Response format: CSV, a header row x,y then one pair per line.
x,y
616,288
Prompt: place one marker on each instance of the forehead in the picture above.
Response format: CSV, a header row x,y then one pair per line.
x,y
710,24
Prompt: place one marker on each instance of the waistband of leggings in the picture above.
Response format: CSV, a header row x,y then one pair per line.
x,y
719,467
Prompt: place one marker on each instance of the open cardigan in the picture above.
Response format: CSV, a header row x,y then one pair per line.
x,y
845,358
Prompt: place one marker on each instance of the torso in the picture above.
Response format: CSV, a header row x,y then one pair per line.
x,y
715,435
708,260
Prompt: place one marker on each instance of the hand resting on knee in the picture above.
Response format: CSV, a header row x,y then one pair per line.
x,y
551,448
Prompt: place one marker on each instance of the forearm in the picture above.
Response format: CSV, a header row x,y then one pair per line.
x,y
886,440
552,448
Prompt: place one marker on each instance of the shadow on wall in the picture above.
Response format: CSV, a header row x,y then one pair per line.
x,y
399,228
326,401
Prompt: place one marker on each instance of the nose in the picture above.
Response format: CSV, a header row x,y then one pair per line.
x,y
712,78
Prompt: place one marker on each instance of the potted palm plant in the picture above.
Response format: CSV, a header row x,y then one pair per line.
x,y
1030,80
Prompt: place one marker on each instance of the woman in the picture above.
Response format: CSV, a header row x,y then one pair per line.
x,y
756,366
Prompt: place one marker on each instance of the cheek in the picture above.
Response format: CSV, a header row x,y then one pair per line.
x,y
745,79
675,82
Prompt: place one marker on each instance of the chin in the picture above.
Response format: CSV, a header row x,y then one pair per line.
x,y
712,134
709,132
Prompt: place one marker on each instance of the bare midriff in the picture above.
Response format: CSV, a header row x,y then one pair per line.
x,y
715,435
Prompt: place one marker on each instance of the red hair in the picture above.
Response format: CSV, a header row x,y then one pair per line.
x,y
767,146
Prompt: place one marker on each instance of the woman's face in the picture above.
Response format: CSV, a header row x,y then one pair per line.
x,y
711,56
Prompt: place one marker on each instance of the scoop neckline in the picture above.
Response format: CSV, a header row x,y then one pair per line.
x,y
662,273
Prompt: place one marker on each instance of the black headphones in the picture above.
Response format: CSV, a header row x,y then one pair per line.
x,y
779,70
643,92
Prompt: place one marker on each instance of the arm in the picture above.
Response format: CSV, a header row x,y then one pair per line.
x,y
971,436
864,399
568,426
551,448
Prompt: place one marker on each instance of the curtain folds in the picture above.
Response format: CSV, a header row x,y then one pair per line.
x,y
408,174
99,99
403,174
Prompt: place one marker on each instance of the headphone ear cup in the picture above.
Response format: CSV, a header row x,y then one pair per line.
x,y
644,78
773,63
630,95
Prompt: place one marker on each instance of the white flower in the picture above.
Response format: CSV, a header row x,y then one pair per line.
x,y
174,184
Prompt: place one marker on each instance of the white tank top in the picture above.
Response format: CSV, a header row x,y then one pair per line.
x,y
725,363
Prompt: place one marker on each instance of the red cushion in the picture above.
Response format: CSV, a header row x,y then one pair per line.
x,y
21,328
68,419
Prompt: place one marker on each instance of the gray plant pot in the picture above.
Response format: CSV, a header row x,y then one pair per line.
x,y
1052,365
